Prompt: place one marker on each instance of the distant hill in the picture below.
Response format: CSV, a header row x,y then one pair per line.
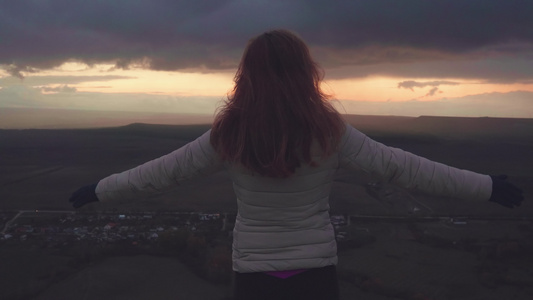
x,y
29,118
452,127
181,132
427,127
445,127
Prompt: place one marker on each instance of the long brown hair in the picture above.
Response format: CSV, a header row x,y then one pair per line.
x,y
276,108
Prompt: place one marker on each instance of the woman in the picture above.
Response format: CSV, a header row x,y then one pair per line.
x,y
282,143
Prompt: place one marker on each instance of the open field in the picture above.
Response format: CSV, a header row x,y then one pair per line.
x,y
408,259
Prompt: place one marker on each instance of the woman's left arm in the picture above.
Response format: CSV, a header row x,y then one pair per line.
x,y
411,171
416,172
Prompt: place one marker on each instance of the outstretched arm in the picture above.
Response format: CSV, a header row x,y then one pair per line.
x,y
415,172
196,159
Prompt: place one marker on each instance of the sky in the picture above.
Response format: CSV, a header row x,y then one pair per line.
x,y
471,58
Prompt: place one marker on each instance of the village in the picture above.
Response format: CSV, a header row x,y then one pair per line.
x,y
202,241
56,226
52,228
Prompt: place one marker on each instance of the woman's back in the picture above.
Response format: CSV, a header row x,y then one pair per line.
x,y
284,223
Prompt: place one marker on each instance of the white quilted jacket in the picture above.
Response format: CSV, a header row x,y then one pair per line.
x,y
284,223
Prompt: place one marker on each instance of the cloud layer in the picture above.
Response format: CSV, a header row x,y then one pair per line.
x,y
494,37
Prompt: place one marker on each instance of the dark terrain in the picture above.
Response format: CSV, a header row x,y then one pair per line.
x,y
387,252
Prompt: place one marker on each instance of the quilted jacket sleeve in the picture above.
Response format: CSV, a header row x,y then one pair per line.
x,y
197,158
411,171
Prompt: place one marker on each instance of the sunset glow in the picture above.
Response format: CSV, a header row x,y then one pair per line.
x,y
177,61
381,89
143,81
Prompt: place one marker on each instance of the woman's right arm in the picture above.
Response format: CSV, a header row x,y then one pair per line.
x,y
196,159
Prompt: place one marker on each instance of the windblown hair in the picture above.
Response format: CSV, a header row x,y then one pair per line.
x,y
276,109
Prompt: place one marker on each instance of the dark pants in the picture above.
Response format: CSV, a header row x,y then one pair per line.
x,y
319,283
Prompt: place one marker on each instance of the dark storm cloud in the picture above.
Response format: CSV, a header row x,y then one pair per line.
x,y
503,69
210,34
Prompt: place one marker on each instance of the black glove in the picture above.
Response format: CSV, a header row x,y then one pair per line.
x,y
505,193
84,195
